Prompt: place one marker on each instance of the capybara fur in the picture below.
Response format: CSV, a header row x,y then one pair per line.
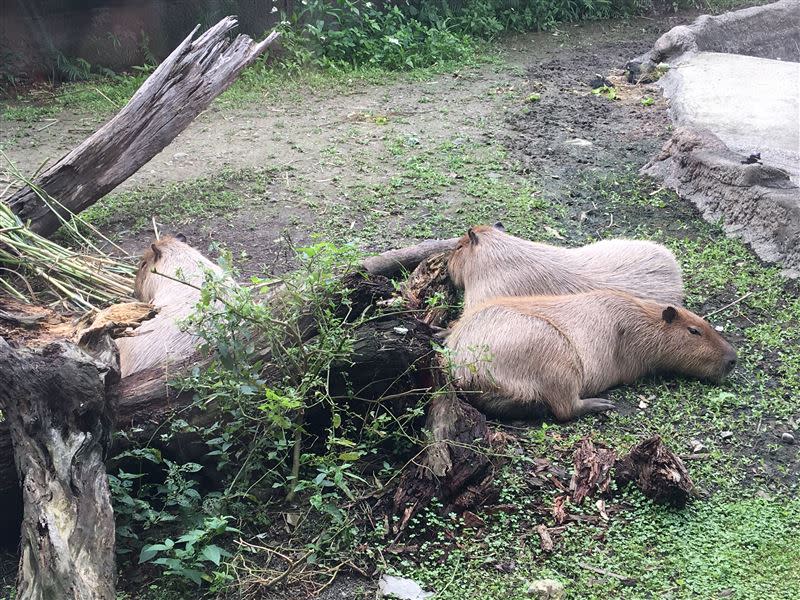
x,y
159,342
489,263
557,352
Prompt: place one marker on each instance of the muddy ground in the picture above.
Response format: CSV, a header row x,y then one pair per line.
x,y
521,139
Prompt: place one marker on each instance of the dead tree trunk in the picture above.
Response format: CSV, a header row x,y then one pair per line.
x,y
58,403
178,90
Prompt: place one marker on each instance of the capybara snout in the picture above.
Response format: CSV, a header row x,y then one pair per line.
x,y
696,347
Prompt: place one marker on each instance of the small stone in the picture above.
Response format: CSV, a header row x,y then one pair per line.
x,y
696,446
400,330
546,589
726,435
401,588
179,155
719,328
787,438
579,142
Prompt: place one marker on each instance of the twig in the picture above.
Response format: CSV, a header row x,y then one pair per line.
x,y
53,122
727,306
694,456
606,572
114,104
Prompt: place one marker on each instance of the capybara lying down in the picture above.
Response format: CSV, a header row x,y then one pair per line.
x,y
159,342
558,352
489,263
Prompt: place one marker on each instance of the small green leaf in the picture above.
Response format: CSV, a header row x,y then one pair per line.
x,y
212,553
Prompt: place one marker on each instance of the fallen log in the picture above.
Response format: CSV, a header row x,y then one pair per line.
x,y
167,102
58,407
392,262
391,355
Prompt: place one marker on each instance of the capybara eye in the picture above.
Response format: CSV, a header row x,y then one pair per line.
x,y
694,331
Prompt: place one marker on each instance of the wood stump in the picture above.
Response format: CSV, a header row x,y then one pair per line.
x,y
59,406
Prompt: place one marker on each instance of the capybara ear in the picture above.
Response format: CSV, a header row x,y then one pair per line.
x,y
156,251
181,238
499,226
669,314
473,237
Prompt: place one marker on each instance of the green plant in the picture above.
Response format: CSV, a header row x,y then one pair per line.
x,y
647,101
260,446
193,554
608,92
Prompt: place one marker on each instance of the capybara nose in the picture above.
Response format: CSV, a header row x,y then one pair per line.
x,y
730,363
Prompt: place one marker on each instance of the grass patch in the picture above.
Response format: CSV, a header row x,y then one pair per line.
x,y
179,203
746,548
741,541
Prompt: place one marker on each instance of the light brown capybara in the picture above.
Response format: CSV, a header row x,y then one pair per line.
x,y
159,342
489,263
558,352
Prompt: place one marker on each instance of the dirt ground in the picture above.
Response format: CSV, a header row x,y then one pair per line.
x,y
521,139
316,145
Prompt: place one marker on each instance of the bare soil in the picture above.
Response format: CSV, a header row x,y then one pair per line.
x,y
321,144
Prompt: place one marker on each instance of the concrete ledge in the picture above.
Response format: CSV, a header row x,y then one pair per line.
x,y
755,202
769,31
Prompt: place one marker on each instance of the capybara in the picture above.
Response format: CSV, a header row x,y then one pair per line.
x,y
489,263
532,352
158,342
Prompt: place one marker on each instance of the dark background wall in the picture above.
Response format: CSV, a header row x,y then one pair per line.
x,y
113,33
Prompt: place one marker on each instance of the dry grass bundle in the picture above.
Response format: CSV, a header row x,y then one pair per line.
x,y
37,270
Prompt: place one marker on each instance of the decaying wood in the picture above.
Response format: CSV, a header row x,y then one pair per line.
x,y
545,539
592,474
393,262
429,287
657,471
58,404
178,90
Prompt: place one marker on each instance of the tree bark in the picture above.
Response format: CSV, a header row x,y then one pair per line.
x,y
58,404
178,90
392,262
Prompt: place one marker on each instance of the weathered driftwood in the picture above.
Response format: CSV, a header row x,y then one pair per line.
x,y
178,90
58,404
392,262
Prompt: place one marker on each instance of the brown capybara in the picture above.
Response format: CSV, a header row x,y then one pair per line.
x,y
159,342
489,263
556,352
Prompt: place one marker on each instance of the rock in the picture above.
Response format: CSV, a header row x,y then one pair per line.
x,y
579,142
787,438
546,589
179,155
402,588
696,445
726,435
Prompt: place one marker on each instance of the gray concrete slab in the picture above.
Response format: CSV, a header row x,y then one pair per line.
x,y
751,104
733,82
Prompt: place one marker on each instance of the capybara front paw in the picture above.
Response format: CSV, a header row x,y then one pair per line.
x,y
597,405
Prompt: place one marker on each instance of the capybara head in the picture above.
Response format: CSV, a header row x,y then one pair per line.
x,y
173,257
692,347
468,245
